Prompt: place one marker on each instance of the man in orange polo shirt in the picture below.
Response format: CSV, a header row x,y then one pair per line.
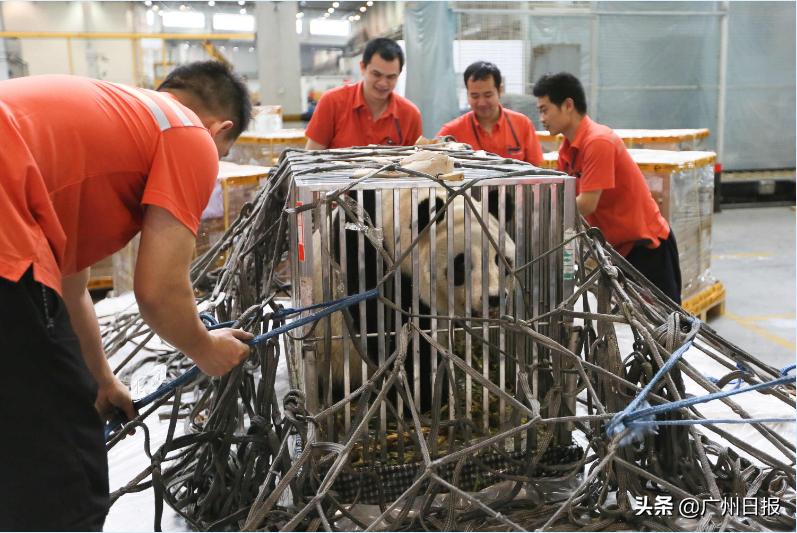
x,y
85,165
612,192
489,126
368,112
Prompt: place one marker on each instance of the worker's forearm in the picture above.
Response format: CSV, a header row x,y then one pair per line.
x,y
312,145
583,208
170,310
84,322
587,202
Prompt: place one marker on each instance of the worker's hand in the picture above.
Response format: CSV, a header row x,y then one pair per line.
x,y
112,394
223,352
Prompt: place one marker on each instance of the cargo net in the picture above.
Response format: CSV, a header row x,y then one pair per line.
x,y
634,411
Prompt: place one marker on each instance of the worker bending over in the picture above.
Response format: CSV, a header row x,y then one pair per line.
x,y
85,165
612,193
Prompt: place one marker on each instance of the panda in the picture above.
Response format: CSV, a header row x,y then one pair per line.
x,y
440,281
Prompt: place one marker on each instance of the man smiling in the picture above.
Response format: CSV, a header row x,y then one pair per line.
x,y
488,126
368,112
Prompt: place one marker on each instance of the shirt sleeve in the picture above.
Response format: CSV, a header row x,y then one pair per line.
x,y
445,129
597,169
183,174
321,127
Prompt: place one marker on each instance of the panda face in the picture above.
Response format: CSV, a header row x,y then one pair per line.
x,y
476,272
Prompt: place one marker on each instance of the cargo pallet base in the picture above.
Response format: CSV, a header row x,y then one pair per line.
x,y
709,302
100,283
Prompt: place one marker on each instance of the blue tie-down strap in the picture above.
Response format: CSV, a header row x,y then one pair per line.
x,y
642,420
119,418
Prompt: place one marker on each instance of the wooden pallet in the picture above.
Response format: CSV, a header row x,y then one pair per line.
x,y
708,303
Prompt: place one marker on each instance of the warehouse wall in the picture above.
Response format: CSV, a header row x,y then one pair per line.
x,y
658,65
114,58
760,110
383,18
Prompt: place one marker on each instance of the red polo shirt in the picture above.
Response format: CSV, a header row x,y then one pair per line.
x,y
514,135
80,159
342,119
626,212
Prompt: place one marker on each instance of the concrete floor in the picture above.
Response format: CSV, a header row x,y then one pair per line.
x,y
754,257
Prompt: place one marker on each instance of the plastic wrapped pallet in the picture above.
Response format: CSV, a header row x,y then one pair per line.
x,y
706,198
236,185
675,140
682,183
548,141
101,274
124,266
550,159
264,148
267,118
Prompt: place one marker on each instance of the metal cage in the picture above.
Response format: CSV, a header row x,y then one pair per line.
x,y
501,208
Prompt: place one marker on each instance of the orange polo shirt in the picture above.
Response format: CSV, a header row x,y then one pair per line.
x,y
627,214
342,119
513,136
80,159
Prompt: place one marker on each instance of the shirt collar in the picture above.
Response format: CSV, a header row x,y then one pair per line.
x,y
581,132
359,101
501,119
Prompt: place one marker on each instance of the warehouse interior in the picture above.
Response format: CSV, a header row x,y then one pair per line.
x,y
701,95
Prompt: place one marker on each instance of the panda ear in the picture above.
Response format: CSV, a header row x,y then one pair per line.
x,y
509,205
424,218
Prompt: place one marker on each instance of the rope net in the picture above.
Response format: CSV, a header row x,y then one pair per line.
x,y
572,449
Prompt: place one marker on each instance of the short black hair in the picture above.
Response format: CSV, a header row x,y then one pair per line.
x,y
481,70
388,49
559,87
217,88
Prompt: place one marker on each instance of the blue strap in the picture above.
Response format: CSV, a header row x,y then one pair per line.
x,y
330,307
617,423
119,418
707,421
642,421
786,369
687,402
738,381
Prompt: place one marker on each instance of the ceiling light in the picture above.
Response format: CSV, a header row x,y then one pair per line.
x,y
242,11
155,8
331,10
211,3
326,15
356,17
234,48
351,18
363,9
335,4
251,48
241,2
148,3
369,3
183,7
299,15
